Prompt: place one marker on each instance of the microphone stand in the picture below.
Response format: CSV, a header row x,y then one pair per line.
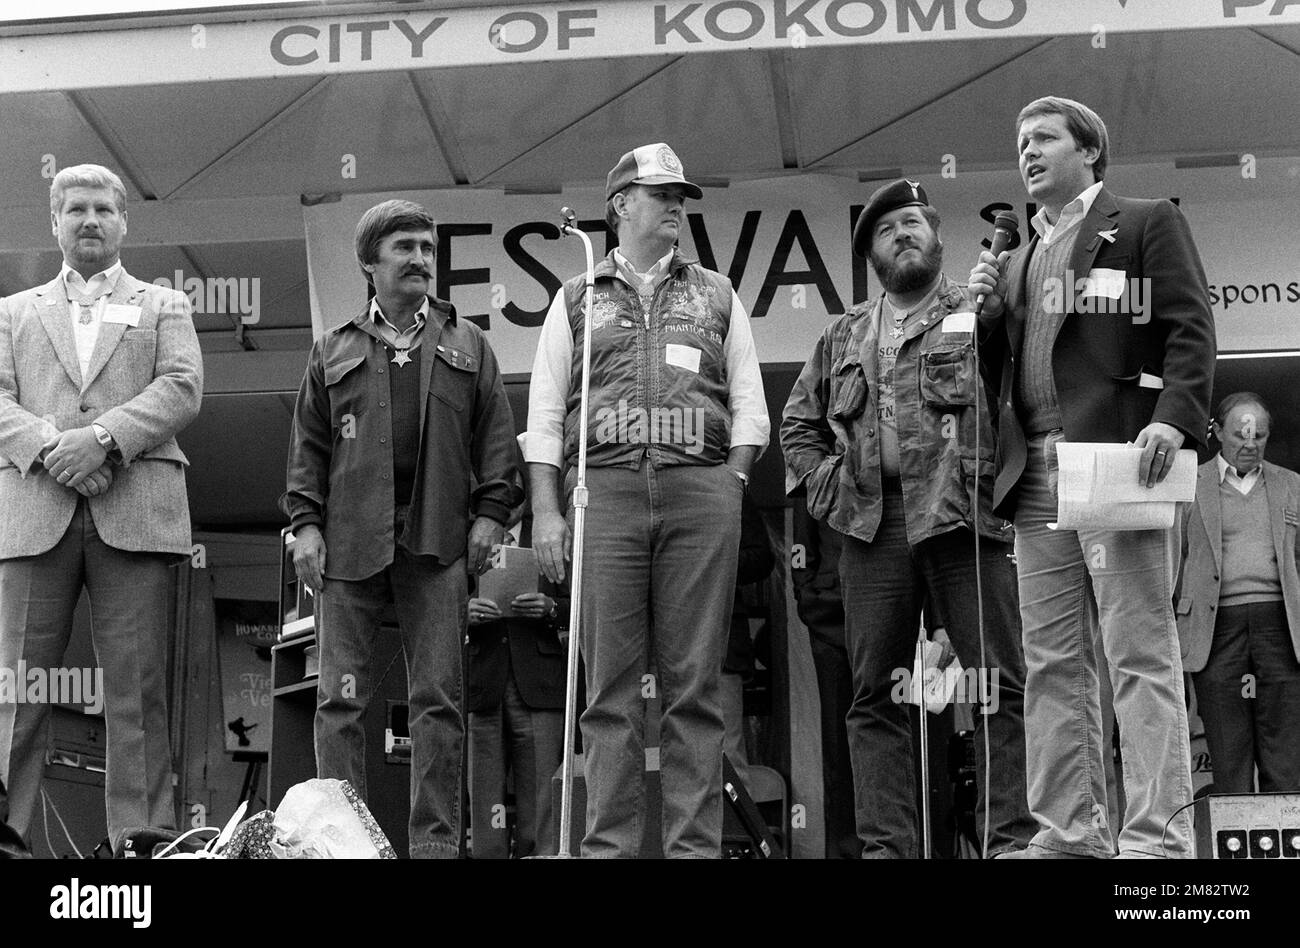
x,y
919,692
570,228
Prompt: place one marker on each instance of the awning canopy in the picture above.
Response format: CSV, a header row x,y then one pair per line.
x,y
222,107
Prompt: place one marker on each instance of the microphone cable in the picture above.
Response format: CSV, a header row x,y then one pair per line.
x,y
1005,226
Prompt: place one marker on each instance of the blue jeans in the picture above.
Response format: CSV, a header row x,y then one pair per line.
x,y
430,601
660,572
1112,590
885,584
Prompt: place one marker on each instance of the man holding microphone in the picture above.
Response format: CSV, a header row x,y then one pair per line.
x,y
1102,364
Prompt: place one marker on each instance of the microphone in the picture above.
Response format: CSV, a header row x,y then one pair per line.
x,y
569,220
1005,226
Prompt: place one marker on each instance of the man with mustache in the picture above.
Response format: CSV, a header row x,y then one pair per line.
x,y
402,433
670,340
1238,604
879,433
98,373
1099,330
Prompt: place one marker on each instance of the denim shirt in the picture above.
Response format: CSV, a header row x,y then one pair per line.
x,y
829,436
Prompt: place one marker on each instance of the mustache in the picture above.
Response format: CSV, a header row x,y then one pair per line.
x,y
417,271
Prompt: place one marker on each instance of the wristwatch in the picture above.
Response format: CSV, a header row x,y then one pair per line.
x,y
555,611
744,478
103,437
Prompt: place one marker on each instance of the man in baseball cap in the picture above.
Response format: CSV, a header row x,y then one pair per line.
x,y
649,164
676,419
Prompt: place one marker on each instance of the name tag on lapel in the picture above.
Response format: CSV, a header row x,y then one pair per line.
x,y
1103,281
119,313
959,322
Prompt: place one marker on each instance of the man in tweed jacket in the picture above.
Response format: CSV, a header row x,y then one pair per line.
x,y
98,372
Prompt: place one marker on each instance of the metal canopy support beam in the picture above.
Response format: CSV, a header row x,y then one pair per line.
x,y
314,89
245,220
778,66
205,272
957,87
438,118
126,164
1276,42
582,118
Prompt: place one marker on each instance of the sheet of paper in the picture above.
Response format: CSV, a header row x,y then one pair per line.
x,y
1097,489
514,574
1084,515
1115,477
930,685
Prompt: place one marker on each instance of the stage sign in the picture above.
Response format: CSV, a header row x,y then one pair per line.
x,y
784,243
218,48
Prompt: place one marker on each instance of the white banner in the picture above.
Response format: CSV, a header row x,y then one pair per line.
x,y
218,50
78,9
785,244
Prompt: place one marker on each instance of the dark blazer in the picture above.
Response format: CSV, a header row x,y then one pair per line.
x,y
1197,595
1165,330
530,648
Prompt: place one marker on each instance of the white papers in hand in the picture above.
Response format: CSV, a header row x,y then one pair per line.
x,y
513,573
929,684
1098,488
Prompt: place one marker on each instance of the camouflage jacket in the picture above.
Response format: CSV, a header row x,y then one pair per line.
x,y
828,430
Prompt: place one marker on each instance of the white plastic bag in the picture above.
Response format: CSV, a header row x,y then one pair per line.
x,y
325,819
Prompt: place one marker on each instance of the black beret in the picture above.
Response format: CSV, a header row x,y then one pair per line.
x,y
889,197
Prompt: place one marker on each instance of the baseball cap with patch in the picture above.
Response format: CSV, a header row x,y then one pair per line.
x,y
649,164
890,197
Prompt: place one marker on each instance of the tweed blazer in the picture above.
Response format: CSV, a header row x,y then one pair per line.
x,y
1196,599
144,384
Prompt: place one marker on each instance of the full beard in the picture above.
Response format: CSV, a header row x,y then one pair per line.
x,y
909,277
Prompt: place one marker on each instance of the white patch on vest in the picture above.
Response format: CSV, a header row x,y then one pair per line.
x,y
684,357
